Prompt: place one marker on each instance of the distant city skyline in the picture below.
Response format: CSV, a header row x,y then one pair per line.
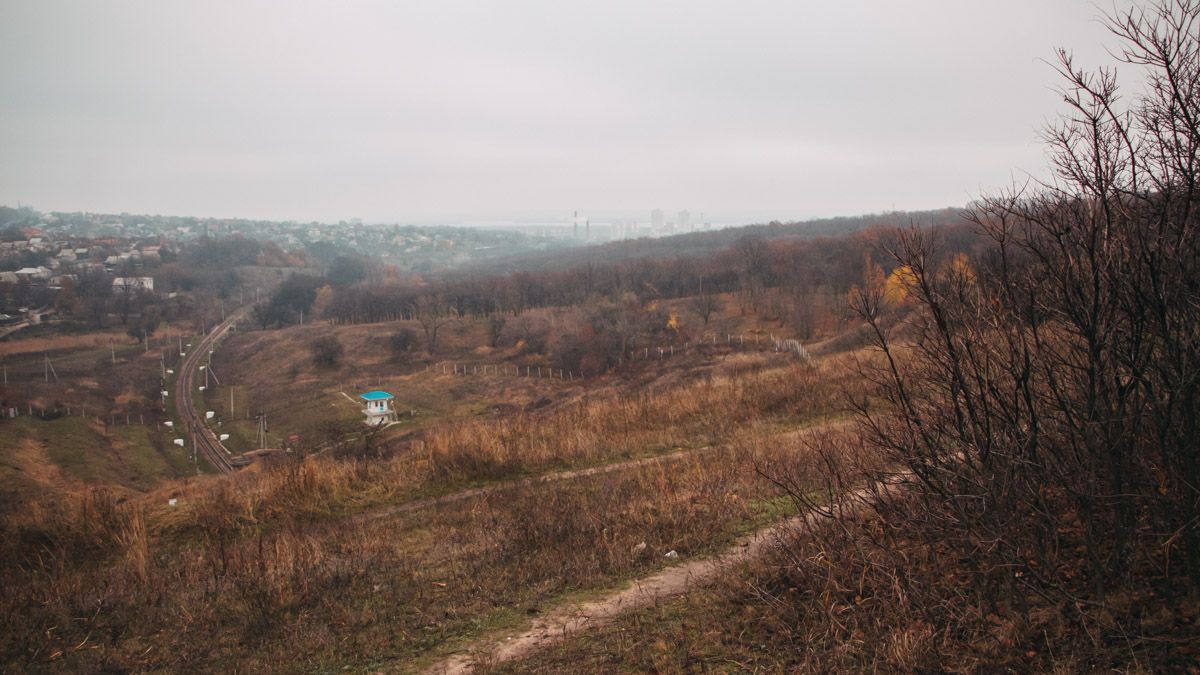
x,y
639,222
443,113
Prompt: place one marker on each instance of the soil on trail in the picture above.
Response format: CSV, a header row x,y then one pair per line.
x,y
564,475
573,618
523,482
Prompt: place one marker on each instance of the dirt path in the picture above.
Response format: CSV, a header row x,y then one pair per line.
x,y
573,618
523,482
561,475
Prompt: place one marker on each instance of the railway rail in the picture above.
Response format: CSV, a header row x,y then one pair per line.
x,y
203,439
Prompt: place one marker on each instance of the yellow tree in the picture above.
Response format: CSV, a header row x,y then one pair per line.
x,y
898,287
322,301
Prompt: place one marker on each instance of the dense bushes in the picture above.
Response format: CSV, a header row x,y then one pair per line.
x,y
805,272
1046,410
327,351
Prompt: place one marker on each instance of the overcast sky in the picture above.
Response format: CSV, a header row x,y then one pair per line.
x,y
447,111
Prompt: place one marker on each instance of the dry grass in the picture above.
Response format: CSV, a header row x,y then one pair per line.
x,y
318,592
263,567
603,428
882,589
61,342
618,424
133,452
865,595
54,343
273,370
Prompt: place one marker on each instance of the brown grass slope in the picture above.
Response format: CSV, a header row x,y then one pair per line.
x,y
263,566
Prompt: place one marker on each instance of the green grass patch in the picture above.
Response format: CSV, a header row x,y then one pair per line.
x,y
144,452
79,449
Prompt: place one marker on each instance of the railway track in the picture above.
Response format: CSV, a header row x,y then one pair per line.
x,y
203,439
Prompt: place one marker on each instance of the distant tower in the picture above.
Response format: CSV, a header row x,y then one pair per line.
x,y
685,221
575,227
587,230
656,221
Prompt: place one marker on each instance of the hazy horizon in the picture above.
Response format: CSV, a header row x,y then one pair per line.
x,y
470,112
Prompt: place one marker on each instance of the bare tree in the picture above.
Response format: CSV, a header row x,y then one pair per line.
x,y
753,257
1050,400
704,304
495,326
432,313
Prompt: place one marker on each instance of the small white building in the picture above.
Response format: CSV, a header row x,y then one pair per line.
x,y
33,273
379,408
133,284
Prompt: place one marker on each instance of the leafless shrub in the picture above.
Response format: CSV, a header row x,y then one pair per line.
x,y
1044,411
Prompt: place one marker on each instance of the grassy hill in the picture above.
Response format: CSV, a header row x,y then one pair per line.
x,y
263,565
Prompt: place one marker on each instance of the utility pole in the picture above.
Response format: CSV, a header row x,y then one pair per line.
x,y
112,347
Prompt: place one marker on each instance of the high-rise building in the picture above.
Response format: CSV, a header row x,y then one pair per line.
x,y
656,221
684,221
587,226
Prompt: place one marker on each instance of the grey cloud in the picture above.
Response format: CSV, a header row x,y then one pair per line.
x,y
428,111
